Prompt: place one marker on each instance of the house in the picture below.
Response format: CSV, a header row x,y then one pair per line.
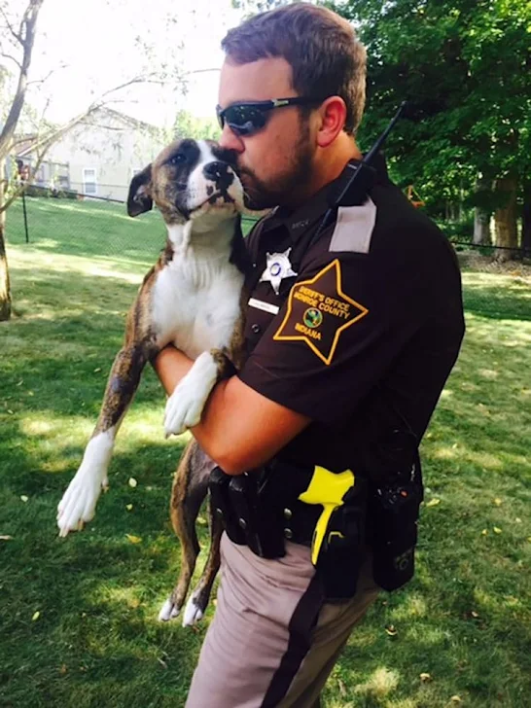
x,y
98,157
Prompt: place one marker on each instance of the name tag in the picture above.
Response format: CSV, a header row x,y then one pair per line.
x,y
265,306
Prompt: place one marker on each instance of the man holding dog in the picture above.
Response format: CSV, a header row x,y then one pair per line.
x,y
352,328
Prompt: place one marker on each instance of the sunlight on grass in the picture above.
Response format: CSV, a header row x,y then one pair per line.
x,y
413,606
38,264
53,434
380,684
425,635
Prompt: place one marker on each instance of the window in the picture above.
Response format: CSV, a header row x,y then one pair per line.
x,y
90,185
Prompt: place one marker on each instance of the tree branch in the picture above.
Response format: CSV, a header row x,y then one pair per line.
x,y
27,38
9,56
10,26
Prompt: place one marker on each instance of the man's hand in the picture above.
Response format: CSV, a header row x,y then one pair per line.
x,y
240,429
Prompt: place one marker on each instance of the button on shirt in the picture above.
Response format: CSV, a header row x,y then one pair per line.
x,y
358,328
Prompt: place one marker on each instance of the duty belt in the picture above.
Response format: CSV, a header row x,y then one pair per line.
x,y
312,506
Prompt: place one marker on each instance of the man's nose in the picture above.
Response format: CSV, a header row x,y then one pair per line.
x,y
230,140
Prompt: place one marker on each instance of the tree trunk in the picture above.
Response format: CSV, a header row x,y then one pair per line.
x,y
481,228
481,235
526,222
505,219
5,289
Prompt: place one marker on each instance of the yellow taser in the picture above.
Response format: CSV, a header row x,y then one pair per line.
x,y
328,489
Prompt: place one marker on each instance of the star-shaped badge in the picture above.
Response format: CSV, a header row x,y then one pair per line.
x,y
319,312
278,267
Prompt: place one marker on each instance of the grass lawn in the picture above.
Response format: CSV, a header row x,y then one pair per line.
x,y
78,625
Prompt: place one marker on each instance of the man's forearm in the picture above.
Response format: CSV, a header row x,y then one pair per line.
x,y
240,429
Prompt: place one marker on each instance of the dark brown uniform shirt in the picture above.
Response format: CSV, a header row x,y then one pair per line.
x,y
357,329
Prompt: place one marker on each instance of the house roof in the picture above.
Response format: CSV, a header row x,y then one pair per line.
x,y
25,142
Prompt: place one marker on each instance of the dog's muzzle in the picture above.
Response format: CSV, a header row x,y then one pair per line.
x,y
220,173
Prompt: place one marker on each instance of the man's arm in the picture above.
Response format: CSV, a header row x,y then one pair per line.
x,y
240,429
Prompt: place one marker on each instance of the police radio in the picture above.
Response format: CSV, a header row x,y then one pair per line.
x,y
362,179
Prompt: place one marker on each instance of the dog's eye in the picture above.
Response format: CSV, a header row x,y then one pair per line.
x,y
177,159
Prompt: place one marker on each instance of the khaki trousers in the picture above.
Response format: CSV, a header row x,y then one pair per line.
x,y
273,640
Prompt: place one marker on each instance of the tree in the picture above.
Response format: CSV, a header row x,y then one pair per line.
x,y
18,30
190,126
464,66
24,38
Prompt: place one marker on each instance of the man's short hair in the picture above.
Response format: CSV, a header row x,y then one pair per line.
x,y
325,55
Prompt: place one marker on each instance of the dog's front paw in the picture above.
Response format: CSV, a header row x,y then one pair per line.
x,y
78,504
185,405
79,501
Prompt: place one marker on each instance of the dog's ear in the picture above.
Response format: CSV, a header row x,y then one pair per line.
x,y
139,199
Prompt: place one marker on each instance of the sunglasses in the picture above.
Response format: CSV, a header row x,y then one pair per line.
x,y
248,117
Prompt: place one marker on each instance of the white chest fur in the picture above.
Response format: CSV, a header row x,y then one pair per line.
x,y
196,302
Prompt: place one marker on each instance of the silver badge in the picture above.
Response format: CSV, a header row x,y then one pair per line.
x,y
277,269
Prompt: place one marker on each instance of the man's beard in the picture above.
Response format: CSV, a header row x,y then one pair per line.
x,y
286,186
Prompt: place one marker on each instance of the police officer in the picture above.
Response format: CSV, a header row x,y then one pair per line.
x,y
352,330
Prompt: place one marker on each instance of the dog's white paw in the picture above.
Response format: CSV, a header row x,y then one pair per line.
x,y
192,613
185,405
79,501
168,611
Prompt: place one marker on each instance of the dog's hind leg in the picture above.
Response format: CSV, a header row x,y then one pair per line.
x,y
198,601
189,489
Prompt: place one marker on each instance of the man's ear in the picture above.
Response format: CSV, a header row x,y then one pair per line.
x,y
333,114
139,199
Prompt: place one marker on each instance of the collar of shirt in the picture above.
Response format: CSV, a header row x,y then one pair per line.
x,y
298,221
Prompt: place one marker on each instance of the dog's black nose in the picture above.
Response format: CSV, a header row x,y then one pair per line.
x,y
215,170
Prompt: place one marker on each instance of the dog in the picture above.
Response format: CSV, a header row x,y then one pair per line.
x,y
192,298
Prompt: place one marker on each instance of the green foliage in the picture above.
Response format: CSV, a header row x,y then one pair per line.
x,y
465,68
189,126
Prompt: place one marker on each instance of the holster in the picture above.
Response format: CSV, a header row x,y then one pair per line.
x,y
342,553
246,519
393,512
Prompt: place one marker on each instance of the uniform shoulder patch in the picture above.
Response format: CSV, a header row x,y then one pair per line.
x,y
354,228
319,311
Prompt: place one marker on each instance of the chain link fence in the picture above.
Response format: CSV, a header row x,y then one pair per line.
x,y
71,223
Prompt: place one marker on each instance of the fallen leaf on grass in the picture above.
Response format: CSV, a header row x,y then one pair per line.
x,y
132,482
484,532
36,616
133,539
425,678
496,529
128,507
497,501
24,498
474,614
97,370
433,502
391,630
